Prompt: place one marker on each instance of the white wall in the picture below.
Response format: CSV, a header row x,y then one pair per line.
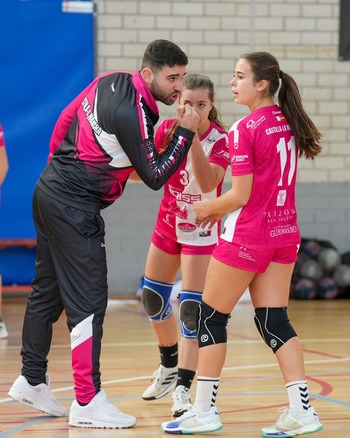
x,y
302,34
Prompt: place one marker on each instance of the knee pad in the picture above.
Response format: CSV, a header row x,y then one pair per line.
x,y
156,299
189,302
274,326
211,326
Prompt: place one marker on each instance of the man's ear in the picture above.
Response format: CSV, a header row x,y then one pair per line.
x,y
147,75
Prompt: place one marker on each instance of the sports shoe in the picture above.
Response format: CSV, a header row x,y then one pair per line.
x,y
194,421
164,380
181,401
99,414
38,397
3,332
293,423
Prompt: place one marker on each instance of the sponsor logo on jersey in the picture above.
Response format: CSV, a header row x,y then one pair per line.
x,y
281,197
205,233
252,124
90,117
239,158
280,231
186,227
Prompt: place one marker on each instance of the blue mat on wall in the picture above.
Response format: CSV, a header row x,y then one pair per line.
x,y
47,58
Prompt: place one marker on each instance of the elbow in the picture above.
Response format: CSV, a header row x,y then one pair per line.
x,y
207,188
244,201
154,184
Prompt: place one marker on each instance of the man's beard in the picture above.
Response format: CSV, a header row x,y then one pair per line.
x,y
157,93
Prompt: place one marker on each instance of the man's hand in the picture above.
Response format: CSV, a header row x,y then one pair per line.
x,y
187,117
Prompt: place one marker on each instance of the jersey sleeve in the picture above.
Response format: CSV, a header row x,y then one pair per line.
x,y
220,152
136,135
241,152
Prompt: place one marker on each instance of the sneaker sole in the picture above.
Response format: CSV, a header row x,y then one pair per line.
x,y
302,431
19,398
202,429
88,423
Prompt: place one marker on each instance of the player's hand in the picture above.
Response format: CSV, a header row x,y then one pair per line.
x,y
204,216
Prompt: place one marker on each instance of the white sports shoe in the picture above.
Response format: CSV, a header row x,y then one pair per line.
x,y
164,379
38,397
292,423
99,414
3,332
181,401
194,421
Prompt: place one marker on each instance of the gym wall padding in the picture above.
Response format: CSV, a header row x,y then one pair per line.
x,y
47,58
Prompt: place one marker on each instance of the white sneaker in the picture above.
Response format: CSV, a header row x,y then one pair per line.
x,y
194,421
3,332
292,423
99,414
38,397
181,401
164,379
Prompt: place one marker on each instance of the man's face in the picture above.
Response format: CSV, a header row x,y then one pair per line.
x,y
166,84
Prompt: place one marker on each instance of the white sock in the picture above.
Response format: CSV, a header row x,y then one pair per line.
x,y
298,395
207,389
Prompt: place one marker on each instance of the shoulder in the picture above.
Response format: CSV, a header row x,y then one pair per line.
x,y
216,133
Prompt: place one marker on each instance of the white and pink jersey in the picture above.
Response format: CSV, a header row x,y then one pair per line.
x,y
263,144
176,217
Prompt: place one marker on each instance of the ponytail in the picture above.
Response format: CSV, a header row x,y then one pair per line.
x,y
265,67
307,136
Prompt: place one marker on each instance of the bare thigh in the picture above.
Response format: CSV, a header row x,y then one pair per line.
x,y
194,269
224,285
272,287
161,266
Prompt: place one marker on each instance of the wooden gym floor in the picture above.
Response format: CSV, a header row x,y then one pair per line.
x,y
251,389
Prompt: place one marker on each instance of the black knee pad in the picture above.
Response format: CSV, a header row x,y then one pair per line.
x,y
156,299
211,326
274,326
189,302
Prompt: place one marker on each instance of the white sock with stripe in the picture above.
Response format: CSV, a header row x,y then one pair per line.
x,y
298,395
207,389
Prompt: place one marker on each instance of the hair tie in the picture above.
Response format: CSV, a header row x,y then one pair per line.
x,y
280,74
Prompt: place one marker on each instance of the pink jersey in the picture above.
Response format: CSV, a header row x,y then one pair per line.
x,y
263,144
2,137
176,217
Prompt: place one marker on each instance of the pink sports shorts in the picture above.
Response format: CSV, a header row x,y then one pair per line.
x,y
171,246
253,260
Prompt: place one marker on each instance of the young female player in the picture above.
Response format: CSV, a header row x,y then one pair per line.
x,y
259,243
178,242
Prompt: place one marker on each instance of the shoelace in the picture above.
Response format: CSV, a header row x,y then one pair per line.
x,y
182,396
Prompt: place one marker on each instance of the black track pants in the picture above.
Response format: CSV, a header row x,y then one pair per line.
x,y
71,275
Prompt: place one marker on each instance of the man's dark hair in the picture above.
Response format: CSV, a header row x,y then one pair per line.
x,y
160,53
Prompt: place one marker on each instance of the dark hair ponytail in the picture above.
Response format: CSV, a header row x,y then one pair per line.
x,y
265,67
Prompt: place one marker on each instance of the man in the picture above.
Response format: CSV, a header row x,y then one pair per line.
x,y
100,138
